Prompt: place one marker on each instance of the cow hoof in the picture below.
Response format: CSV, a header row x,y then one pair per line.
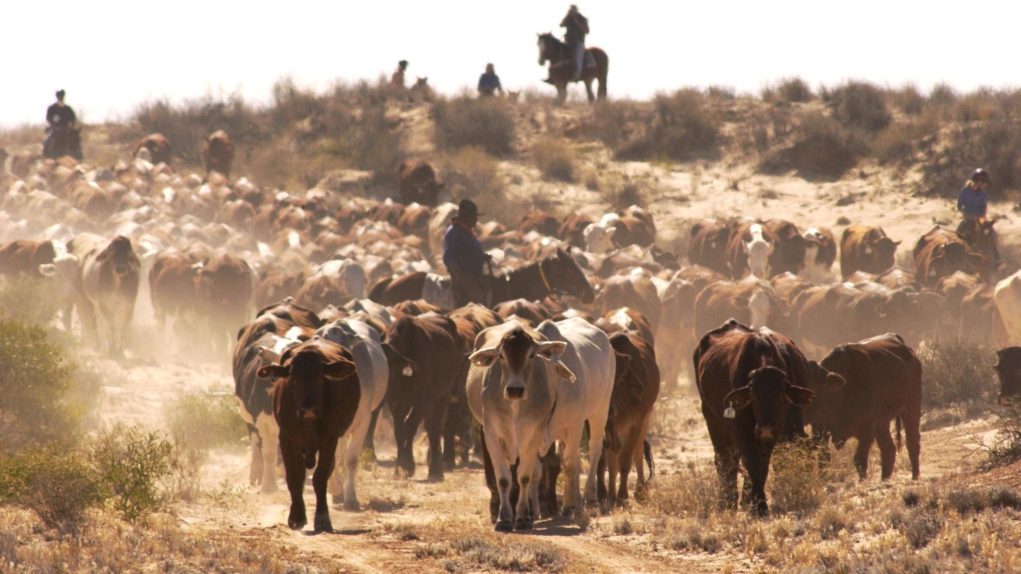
x,y
296,521
523,524
352,505
435,477
568,512
268,488
504,526
322,523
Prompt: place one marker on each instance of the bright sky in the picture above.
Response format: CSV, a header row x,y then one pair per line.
x,y
111,55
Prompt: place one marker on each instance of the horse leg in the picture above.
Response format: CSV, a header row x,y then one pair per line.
x,y
561,93
588,89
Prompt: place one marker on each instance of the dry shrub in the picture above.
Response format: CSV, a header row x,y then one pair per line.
x,y
187,125
797,481
130,464
28,299
909,100
1006,447
515,557
956,373
471,173
485,123
685,127
794,90
555,159
900,141
57,483
860,105
693,491
994,145
205,420
823,148
975,500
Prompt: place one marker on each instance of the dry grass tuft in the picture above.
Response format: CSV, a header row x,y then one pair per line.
x,y
485,123
472,173
956,373
555,159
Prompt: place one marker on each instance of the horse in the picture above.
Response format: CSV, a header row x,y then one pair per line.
x,y
980,234
561,72
558,274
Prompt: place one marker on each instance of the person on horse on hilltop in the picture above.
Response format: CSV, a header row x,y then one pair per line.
x,y
397,79
489,82
577,28
972,201
464,257
62,136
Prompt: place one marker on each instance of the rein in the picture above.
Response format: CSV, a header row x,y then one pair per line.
x,y
545,282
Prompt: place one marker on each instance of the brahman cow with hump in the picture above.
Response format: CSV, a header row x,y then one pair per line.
x,y
879,380
315,400
752,386
864,248
110,273
364,343
529,388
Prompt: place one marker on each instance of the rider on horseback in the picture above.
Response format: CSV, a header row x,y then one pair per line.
x,y
62,133
577,28
464,257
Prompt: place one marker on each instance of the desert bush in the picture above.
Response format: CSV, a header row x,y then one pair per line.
x,y
822,148
28,299
909,100
36,383
797,482
471,173
187,125
995,145
693,491
899,142
554,158
971,500
794,90
56,482
860,105
613,122
514,557
485,123
130,464
374,145
205,420
1006,446
956,373
684,127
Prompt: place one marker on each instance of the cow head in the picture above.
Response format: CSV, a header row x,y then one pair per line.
x,y
565,275
1008,370
519,354
882,250
599,237
770,394
120,257
758,251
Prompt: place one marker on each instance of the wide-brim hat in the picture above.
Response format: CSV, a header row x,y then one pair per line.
x,y
467,206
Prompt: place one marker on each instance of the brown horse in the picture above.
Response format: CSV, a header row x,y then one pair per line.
x,y
561,72
557,274
980,234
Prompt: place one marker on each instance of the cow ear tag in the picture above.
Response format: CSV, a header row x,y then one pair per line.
x,y
729,412
407,371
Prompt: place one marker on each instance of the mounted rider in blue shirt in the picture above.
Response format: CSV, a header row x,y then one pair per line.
x,y
972,202
464,257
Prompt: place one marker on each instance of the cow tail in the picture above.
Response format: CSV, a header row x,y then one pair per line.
x,y
897,424
647,450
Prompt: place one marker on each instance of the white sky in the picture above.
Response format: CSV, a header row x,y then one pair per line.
x,y
111,55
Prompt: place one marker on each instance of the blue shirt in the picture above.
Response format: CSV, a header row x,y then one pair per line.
x,y
972,202
489,83
462,249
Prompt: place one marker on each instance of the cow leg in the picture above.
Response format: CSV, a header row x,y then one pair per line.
x,y
639,459
490,474
756,462
87,316
502,473
355,439
320,480
255,468
434,423
631,444
597,431
294,471
525,517
572,474
913,438
861,453
548,482
611,462
726,460
270,438
887,450
369,443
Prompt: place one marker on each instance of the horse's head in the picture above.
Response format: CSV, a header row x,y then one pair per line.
x,y
546,43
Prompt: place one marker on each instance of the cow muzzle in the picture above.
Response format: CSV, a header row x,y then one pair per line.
x,y
515,392
765,433
308,414
121,270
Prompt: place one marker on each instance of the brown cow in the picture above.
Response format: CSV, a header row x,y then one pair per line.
x,y
314,402
24,256
982,237
1008,370
426,357
635,290
572,230
789,250
752,385
319,291
940,252
750,302
867,249
709,243
172,285
274,285
741,240
218,153
418,183
635,389
882,381
158,146
531,311
225,285
540,222
820,248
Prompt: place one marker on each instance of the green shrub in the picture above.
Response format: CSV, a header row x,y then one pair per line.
x,y
36,379
956,373
205,420
555,159
860,105
56,482
131,463
485,123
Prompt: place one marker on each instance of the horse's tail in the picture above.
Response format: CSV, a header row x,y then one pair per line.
x,y
898,424
647,452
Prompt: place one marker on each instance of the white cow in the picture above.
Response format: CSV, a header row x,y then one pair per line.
x,y
599,235
1007,297
758,249
373,373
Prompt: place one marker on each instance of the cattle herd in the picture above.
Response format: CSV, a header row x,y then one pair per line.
x,y
336,305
